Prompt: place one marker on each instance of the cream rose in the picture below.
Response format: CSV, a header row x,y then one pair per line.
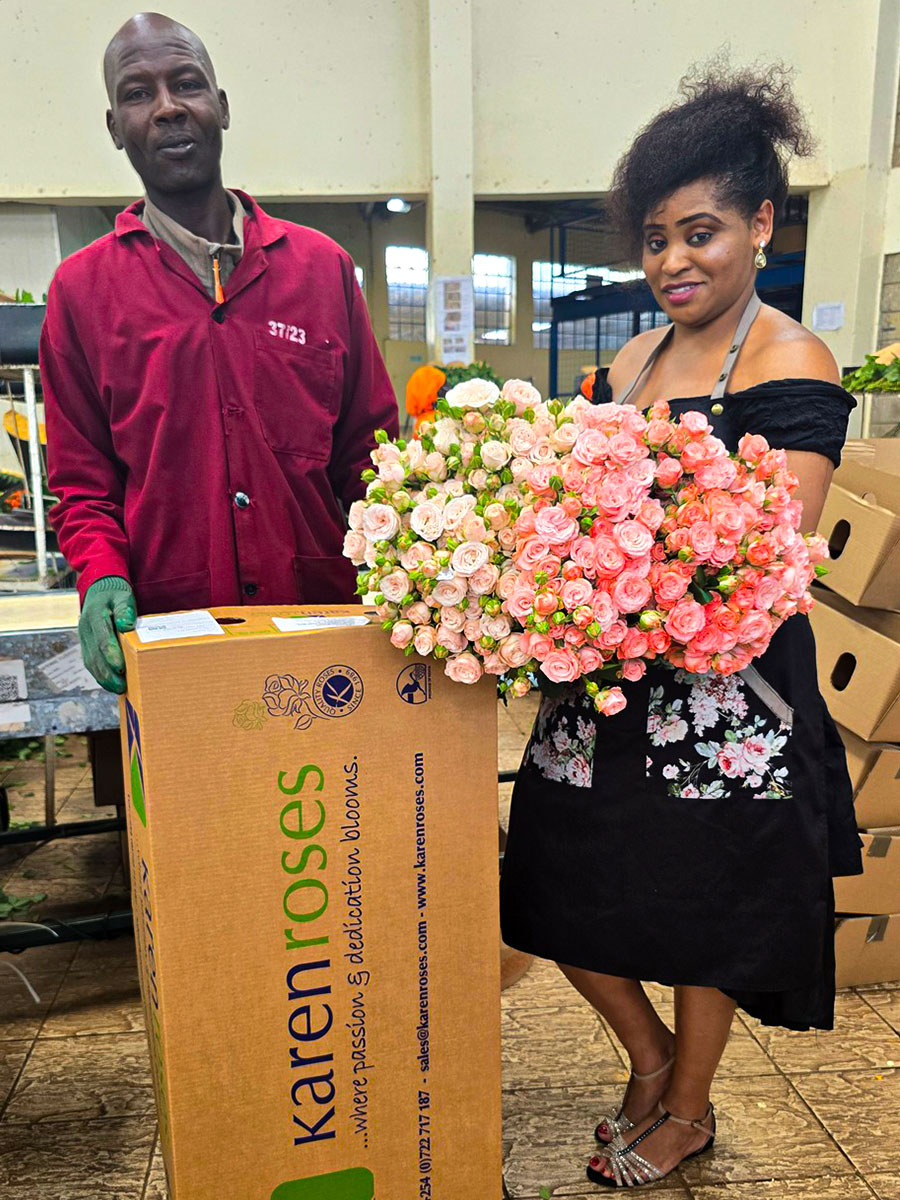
x,y
446,434
456,511
355,515
468,557
484,580
380,523
355,546
425,639
427,520
473,393
450,591
495,455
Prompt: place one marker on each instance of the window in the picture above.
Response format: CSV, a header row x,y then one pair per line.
x,y
547,281
406,268
494,285
653,320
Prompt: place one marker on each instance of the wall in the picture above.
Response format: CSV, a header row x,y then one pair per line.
x,y
331,97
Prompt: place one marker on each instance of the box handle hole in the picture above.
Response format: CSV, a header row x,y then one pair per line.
x,y
843,671
838,539
231,620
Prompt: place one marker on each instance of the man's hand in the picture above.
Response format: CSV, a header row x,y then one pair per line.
x,y
108,606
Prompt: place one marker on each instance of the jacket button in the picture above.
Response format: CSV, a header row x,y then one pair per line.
x,y
250,589
241,500
717,410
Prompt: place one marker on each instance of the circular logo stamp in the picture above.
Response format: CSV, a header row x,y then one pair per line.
x,y
414,684
338,691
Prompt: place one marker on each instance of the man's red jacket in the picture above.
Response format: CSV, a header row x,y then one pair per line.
x,y
202,451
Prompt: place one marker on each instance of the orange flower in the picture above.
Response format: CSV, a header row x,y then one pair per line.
x,y
587,385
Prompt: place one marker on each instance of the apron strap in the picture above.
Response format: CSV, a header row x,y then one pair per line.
x,y
754,304
639,379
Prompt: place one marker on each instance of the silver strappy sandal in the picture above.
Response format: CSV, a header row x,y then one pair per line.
x,y
631,1169
610,1127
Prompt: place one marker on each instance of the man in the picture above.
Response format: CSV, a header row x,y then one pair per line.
x,y
211,379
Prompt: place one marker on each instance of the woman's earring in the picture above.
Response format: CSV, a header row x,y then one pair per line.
x,y
760,261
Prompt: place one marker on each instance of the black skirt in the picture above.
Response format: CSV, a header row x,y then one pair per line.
x,y
692,838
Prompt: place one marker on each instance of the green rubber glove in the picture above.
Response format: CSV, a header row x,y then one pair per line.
x,y
108,606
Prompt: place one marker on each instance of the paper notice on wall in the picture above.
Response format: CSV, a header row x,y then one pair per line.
x,y
199,623
828,318
67,672
454,317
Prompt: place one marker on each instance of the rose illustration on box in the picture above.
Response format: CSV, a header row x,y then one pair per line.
x,y
336,692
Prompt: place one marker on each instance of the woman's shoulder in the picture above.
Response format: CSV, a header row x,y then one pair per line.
x,y
778,347
631,357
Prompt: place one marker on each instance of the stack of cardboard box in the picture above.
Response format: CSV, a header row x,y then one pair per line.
x,y
857,627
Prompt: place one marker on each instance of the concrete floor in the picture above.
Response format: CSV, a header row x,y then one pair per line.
x,y
805,1116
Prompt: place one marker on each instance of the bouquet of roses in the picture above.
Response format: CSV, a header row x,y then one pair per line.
x,y
534,540
650,541
436,531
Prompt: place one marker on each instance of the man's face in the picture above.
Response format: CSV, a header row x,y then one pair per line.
x,y
167,113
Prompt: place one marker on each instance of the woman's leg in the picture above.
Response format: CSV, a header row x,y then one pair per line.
x,y
703,1018
648,1041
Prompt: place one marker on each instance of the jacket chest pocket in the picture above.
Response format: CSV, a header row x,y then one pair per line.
x,y
296,391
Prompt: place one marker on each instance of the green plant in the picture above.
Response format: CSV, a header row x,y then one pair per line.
x,y
475,370
874,376
10,905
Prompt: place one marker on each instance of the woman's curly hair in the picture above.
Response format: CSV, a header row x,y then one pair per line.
x,y
738,127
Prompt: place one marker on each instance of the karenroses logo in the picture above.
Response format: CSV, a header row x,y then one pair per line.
x,y
358,1183
136,762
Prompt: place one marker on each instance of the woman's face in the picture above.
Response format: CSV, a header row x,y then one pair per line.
x,y
698,255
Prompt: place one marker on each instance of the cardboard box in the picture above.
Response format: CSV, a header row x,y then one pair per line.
x,y
867,950
875,774
861,523
313,830
877,890
858,658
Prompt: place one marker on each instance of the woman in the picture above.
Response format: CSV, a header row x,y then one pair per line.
x,y
701,851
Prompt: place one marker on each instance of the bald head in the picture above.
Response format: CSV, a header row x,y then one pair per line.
x,y
151,33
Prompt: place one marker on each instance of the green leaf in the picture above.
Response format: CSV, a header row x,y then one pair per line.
x,y
544,1193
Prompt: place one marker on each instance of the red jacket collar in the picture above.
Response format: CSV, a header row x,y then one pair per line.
x,y
263,230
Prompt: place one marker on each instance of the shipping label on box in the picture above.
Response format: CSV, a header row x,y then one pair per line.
x,y
861,523
867,950
877,890
875,774
313,832
858,660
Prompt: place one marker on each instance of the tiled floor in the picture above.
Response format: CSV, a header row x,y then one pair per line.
x,y
800,1116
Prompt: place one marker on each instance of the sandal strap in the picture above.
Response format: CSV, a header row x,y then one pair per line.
x,y
698,1123
655,1074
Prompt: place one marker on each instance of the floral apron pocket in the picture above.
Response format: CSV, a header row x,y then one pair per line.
x,y
562,744
719,736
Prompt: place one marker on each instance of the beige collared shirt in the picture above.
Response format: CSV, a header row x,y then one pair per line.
x,y
196,251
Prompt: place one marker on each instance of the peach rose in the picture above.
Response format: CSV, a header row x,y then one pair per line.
x,y
513,650
685,620
452,639
631,593
402,635
484,580
668,472
521,393
463,668
633,669
561,666
633,538
473,528
610,701
355,514
555,525
576,592
418,612
425,639
496,627
394,586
